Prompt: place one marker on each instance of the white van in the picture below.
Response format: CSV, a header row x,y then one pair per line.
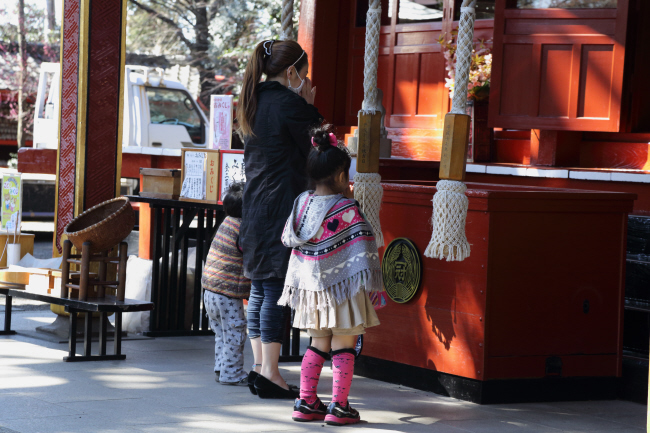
x,y
159,113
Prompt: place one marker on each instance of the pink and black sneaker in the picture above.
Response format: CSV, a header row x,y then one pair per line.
x,y
341,415
303,411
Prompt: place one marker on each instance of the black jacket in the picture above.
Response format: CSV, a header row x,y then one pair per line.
x,y
275,158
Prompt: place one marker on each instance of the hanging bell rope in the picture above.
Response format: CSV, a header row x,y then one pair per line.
x,y
287,20
370,104
367,182
450,203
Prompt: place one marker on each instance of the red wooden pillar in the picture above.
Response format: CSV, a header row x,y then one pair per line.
x,y
145,224
555,148
324,27
90,141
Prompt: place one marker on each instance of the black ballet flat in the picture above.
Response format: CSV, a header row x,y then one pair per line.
x,y
251,381
267,389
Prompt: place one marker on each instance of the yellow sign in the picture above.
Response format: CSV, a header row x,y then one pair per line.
x,y
402,270
11,201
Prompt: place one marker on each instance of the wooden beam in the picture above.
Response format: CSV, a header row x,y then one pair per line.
x,y
555,148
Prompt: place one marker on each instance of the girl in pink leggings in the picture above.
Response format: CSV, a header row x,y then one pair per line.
x,y
334,265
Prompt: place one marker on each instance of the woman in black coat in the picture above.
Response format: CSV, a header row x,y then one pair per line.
x,y
275,117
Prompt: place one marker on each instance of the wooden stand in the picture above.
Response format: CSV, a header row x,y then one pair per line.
x,y
86,278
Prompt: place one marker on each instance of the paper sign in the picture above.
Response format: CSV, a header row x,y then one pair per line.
x,y
11,201
194,181
221,121
232,170
212,180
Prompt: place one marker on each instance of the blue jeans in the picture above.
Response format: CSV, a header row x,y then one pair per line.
x,y
265,316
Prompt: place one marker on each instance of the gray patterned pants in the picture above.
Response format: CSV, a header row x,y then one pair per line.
x,y
228,321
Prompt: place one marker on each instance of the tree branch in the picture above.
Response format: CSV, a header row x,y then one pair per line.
x,y
166,20
214,8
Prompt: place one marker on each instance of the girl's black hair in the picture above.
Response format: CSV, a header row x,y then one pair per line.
x,y
232,202
326,161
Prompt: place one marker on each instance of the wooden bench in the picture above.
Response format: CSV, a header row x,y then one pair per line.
x,y
103,306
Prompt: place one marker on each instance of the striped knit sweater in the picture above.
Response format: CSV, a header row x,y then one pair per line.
x,y
223,272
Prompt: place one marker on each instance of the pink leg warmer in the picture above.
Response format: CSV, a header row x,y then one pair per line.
x,y
312,365
342,370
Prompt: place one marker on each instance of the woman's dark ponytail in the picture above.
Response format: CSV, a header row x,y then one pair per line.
x,y
271,58
247,104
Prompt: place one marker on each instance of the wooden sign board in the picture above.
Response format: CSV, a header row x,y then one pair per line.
x,y
231,170
199,175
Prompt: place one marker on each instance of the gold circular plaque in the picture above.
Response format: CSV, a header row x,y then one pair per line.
x,y
402,270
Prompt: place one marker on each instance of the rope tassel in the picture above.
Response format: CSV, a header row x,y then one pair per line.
x,y
369,193
448,240
450,203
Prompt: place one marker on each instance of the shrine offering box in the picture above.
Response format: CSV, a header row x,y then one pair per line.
x,y
207,173
162,183
535,313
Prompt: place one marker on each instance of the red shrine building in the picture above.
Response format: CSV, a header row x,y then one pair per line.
x,y
566,107
566,110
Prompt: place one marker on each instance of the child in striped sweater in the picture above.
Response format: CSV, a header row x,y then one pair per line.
x,y
225,289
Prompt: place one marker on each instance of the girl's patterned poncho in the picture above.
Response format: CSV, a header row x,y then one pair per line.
x,y
334,253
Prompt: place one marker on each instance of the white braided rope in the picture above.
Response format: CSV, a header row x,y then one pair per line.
x,y
370,104
448,240
367,186
369,193
464,47
287,20
450,203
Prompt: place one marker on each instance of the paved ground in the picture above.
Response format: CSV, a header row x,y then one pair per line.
x,y
167,385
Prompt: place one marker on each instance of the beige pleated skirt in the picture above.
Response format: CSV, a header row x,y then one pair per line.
x,y
350,317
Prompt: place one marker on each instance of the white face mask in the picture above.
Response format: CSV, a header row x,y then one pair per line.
x,y
302,80
295,89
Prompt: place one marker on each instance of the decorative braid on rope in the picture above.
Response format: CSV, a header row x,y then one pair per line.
x,y
449,213
450,203
368,192
287,20
373,20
